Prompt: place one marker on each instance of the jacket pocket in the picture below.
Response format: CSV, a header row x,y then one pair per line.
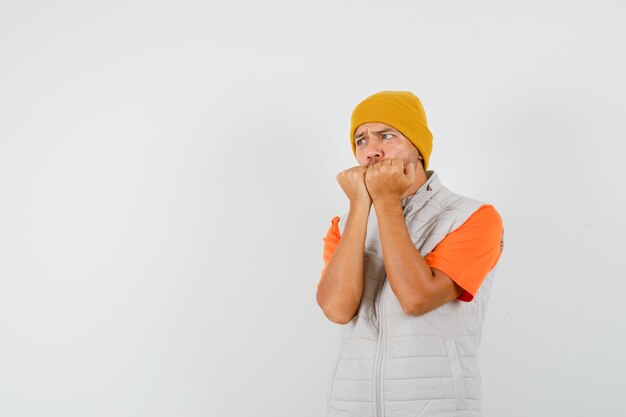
x,y
457,375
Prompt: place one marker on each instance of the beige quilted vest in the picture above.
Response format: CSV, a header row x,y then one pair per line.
x,y
391,364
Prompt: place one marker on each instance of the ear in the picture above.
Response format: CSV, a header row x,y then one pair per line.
x,y
410,171
420,159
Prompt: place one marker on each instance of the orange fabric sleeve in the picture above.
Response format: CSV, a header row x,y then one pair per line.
x,y
331,240
468,253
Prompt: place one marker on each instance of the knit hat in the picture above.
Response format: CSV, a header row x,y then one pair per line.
x,y
400,109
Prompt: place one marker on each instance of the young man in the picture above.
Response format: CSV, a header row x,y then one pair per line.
x,y
409,281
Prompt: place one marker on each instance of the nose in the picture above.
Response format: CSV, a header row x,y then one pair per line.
x,y
374,152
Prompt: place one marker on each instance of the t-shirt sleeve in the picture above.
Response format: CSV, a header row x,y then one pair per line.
x,y
331,240
472,250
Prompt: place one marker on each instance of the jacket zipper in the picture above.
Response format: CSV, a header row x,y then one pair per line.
x,y
380,351
378,364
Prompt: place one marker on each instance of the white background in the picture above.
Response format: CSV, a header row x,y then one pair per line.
x,y
167,173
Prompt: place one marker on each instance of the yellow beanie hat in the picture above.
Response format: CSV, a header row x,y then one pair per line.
x,y
400,109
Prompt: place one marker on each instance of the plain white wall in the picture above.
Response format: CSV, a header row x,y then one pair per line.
x,y
167,173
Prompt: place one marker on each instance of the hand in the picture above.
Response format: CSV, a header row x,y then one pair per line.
x,y
352,182
389,179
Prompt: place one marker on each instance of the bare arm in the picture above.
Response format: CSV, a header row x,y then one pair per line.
x,y
419,288
341,284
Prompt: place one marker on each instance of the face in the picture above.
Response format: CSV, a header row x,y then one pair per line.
x,y
377,141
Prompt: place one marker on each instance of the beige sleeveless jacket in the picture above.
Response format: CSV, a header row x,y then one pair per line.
x,y
391,364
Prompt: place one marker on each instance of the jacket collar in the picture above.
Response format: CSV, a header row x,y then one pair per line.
x,y
423,194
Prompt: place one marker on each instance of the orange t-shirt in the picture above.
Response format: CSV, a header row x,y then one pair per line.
x,y
466,255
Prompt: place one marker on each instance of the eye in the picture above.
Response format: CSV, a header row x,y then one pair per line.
x,y
384,135
357,142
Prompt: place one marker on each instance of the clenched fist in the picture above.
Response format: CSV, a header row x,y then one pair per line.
x,y
389,178
352,182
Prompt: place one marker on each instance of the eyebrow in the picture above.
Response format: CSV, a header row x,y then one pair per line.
x,y
360,135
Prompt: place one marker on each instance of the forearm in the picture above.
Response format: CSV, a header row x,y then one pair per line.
x,y
341,285
408,273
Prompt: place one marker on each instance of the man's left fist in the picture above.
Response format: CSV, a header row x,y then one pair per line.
x,y
389,179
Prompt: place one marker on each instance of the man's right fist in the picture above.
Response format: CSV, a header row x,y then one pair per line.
x,y
352,182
